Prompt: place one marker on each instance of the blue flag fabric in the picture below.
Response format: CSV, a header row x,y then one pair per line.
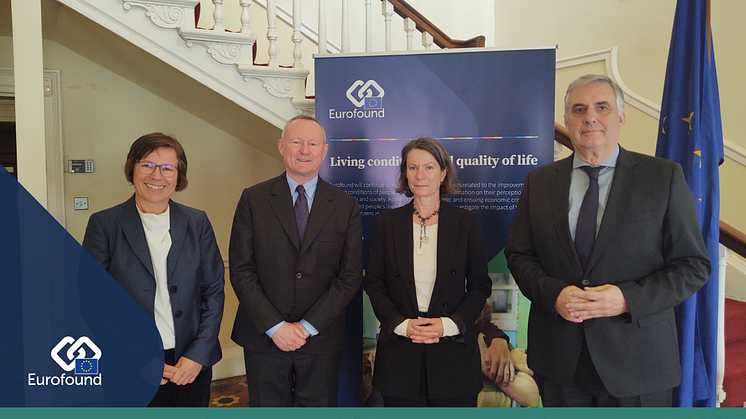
x,y
690,133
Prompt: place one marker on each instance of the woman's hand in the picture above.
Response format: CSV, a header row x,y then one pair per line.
x,y
168,373
424,330
186,371
497,363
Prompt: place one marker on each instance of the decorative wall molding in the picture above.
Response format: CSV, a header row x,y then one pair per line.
x,y
223,47
304,105
609,57
279,82
167,14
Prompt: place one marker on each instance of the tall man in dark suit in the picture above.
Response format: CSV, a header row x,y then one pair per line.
x,y
295,263
604,253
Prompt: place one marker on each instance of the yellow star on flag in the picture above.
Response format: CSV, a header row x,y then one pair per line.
x,y
689,120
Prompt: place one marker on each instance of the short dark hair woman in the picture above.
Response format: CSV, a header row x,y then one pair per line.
x,y
165,256
427,282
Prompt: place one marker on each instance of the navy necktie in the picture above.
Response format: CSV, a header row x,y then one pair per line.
x,y
585,231
301,212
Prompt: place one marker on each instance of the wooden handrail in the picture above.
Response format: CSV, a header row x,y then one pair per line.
x,y
403,9
730,237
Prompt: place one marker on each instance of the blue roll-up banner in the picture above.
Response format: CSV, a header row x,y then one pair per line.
x,y
493,110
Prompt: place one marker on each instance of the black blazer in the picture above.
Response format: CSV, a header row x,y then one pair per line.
x,y
649,244
461,288
276,279
116,239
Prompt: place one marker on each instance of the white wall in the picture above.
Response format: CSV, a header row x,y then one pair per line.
x,y
642,31
103,113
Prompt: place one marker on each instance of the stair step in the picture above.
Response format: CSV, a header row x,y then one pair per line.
x,y
225,47
735,320
734,381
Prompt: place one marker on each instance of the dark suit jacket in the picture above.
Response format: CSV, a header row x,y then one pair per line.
x,y
116,239
649,244
277,280
461,288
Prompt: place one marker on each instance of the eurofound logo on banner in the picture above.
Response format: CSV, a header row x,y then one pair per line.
x,y
366,95
77,359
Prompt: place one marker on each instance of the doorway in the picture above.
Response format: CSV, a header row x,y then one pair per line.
x,y
8,148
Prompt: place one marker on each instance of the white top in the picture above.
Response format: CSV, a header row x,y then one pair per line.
x,y
425,271
157,234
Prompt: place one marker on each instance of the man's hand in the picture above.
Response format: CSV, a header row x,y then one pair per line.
x,y
186,371
497,364
301,330
564,299
288,338
424,330
603,301
168,373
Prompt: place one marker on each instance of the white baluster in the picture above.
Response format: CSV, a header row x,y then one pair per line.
x,y
557,150
245,16
724,253
322,26
297,35
217,15
427,40
388,10
345,28
409,27
272,32
368,27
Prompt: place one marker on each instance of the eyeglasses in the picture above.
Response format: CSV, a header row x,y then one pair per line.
x,y
147,168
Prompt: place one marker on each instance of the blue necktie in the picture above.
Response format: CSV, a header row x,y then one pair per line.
x,y
301,212
585,231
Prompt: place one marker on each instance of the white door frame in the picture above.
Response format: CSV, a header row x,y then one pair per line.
x,y
53,133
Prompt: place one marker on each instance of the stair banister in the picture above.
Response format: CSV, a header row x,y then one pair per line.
x,y
322,27
245,17
297,36
272,32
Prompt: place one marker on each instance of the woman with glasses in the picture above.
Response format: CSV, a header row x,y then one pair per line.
x,y
165,256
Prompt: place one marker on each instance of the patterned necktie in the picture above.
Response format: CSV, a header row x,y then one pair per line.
x,y
301,212
585,232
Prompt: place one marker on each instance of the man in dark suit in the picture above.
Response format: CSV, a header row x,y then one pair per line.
x,y
295,263
604,253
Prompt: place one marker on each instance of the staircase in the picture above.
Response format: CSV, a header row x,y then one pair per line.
x,y
266,75
734,382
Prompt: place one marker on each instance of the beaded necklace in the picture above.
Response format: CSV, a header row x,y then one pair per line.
x,y
423,228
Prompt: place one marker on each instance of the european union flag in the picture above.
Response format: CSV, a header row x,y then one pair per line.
x,y
86,366
691,134
373,103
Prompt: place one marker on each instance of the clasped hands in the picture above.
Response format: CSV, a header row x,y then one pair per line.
x,y
577,305
290,336
184,372
425,330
